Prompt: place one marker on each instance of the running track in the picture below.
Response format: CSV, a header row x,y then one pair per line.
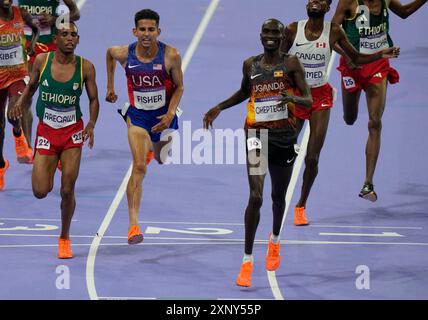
x,y
177,262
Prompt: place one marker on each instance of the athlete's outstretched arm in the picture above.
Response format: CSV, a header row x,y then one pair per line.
x,y
94,104
403,11
172,56
343,7
242,94
16,111
344,47
74,10
289,37
298,73
117,53
28,19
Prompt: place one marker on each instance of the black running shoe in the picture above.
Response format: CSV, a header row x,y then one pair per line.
x,y
368,193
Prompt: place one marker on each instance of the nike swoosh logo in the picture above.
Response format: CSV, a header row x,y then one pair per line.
x,y
255,76
291,160
324,105
301,44
134,66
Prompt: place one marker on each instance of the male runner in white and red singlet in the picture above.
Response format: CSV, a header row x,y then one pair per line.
x,y
312,41
155,86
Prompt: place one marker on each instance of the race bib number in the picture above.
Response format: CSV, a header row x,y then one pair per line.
x,y
43,143
348,82
151,99
254,143
12,56
270,109
77,137
373,44
315,74
58,118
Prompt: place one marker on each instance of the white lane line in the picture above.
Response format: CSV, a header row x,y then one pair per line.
x,y
32,219
383,234
90,264
201,223
293,181
227,242
361,227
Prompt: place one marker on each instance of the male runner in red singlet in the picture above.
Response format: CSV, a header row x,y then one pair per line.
x,y
61,77
270,81
366,23
312,42
155,87
13,70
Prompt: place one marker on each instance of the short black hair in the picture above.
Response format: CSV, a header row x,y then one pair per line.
x,y
329,2
55,29
147,14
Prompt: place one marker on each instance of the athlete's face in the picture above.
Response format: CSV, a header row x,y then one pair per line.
x,y
67,39
271,35
6,4
147,32
317,8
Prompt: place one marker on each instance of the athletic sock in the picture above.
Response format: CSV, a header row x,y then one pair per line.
x,y
248,257
274,239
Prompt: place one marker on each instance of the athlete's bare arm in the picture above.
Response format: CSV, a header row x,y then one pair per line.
x,y
120,54
239,96
74,10
89,77
16,111
343,46
403,11
173,67
344,9
289,36
297,72
28,19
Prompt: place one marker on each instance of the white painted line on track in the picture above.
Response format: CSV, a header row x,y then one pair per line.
x,y
293,181
90,264
228,242
361,227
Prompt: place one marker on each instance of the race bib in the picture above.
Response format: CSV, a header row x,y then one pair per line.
x,y
254,143
315,74
43,143
373,44
150,99
348,82
77,137
270,109
58,118
12,56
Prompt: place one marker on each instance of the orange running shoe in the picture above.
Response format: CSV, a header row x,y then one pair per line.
x,y
24,153
244,277
134,235
300,217
150,156
64,249
273,257
2,172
